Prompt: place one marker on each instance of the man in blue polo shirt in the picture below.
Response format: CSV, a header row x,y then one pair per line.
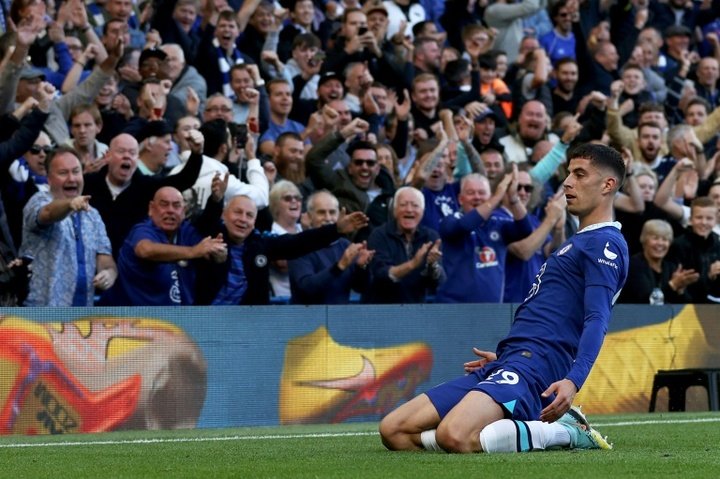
x,y
156,264
521,398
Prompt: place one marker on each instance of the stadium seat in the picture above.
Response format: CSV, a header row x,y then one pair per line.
x,y
679,380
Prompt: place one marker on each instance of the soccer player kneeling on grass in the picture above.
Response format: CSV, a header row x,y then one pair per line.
x,y
521,399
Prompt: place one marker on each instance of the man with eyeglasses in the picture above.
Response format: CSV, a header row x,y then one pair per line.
x,y
25,177
218,106
363,185
475,241
22,155
560,41
527,255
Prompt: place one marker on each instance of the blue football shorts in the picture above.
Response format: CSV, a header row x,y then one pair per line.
x,y
511,384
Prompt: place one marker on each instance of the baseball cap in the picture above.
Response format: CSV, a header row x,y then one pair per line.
x,y
485,114
678,31
29,72
151,53
327,76
154,128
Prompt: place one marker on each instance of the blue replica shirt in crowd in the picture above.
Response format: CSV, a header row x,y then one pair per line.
x,y
562,323
558,46
474,252
152,283
440,204
274,130
520,274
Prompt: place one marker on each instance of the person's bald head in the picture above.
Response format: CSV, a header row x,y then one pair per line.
x,y
167,209
122,159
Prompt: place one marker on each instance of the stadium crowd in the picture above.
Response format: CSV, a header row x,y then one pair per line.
x,y
176,152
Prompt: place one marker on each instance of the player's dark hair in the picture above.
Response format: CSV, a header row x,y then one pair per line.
x,y
601,156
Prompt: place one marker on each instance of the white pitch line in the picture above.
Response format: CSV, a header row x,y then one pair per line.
x,y
186,439
299,436
659,421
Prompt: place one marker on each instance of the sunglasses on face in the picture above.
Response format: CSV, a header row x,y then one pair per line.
x,y
36,149
527,188
369,163
290,198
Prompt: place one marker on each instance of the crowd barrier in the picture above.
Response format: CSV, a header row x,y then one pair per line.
x,y
68,370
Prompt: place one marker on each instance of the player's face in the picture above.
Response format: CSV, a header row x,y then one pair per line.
x,y
239,218
703,219
584,187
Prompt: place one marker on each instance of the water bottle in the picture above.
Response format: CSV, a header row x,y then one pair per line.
x,y
657,298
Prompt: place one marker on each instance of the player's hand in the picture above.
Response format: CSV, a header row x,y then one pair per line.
x,y
565,392
485,357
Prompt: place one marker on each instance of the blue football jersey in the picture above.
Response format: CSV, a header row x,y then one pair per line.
x,y
563,321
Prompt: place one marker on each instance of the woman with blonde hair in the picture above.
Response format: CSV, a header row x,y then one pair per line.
x,y
286,208
650,269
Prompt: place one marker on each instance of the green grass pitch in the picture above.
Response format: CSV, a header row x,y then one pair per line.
x,y
685,445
